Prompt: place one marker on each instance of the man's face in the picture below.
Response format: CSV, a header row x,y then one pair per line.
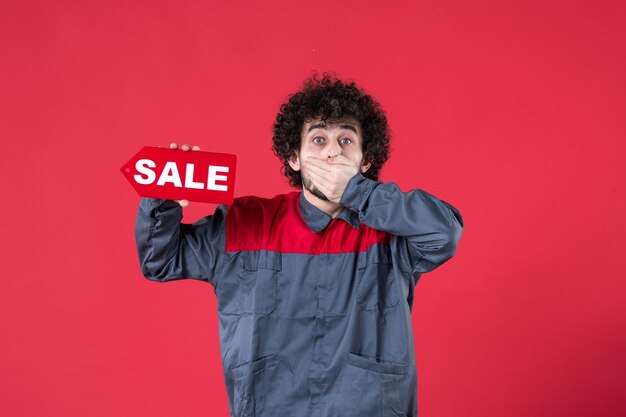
x,y
327,139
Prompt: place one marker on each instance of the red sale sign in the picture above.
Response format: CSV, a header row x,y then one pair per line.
x,y
174,174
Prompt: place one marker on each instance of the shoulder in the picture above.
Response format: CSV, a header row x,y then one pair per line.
x,y
252,202
250,218
257,208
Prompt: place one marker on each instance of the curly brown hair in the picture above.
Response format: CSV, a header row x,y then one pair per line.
x,y
326,99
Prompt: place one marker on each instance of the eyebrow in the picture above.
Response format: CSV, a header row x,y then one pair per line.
x,y
322,125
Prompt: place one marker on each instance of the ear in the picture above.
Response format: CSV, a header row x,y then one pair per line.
x,y
365,166
294,162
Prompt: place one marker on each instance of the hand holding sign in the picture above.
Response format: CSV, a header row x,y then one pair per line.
x,y
158,172
185,147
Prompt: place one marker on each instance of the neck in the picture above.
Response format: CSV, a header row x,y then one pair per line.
x,y
328,207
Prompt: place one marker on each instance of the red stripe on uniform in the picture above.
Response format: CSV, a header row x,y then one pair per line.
x,y
250,219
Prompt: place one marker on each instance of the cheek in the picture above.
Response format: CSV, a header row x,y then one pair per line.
x,y
355,155
310,151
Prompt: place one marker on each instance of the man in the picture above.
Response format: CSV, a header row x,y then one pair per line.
x,y
314,288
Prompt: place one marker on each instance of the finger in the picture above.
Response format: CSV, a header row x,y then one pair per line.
x,y
173,146
317,171
317,176
183,203
186,147
319,163
315,160
195,148
331,169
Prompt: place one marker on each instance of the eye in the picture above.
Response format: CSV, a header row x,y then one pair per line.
x,y
346,141
318,140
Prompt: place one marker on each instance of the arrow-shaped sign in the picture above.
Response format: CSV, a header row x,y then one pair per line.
x,y
174,174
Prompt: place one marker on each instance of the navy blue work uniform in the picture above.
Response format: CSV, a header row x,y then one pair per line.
x,y
314,312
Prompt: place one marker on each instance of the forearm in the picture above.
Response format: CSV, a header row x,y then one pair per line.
x,y
170,250
431,226
156,235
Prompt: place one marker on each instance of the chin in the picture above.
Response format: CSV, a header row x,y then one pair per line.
x,y
317,193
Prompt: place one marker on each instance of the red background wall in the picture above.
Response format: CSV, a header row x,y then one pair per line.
x,y
512,111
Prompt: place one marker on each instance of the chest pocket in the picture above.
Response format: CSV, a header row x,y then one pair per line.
x,y
258,282
377,289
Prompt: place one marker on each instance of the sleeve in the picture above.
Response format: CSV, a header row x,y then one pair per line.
x,y
426,230
170,250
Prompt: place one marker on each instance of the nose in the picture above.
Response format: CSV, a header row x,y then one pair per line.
x,y
334,148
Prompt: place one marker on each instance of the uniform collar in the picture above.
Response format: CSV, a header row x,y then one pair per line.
x,y
317,220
